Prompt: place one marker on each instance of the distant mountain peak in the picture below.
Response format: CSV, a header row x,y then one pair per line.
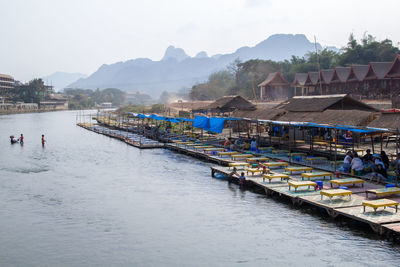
x,y
173,52
201,54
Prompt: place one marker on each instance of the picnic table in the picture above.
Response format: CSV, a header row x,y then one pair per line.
x,y
279,151
310,175
271,176
300,141
335,192
298,169
297,184
375,204
320,143
347,181
386,191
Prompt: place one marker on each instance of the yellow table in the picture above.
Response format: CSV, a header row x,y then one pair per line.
x,y
214,149
242,156
202,147
254,170
310,175
298,169
380,203
383,191
228,153
275,164
190,144
347,181
296,184
335,192
178,142
300,141
238,164
271,176
321,143
260,159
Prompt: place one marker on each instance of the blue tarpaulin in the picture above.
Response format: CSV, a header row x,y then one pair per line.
x,y
216,125
201,122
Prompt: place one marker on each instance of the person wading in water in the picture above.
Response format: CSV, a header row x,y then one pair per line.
x,y
43,141
21,139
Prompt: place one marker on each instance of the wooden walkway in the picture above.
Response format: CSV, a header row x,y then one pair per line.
x,y
384,221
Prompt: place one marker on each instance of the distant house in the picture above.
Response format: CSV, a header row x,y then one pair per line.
x,y
227,104
299,84
275,87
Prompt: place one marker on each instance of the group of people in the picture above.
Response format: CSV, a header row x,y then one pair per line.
x,y
375,163
14,140
229,144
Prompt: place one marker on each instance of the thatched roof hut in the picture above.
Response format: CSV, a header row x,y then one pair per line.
x,y
275,87
227,104
333,117
324,102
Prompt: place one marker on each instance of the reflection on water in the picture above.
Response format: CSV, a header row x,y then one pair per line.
x,y
87,200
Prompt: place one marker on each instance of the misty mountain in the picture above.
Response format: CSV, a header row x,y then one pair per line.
x,y
176,70
60,80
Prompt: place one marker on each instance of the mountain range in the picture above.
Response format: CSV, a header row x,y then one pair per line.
x,y
177,70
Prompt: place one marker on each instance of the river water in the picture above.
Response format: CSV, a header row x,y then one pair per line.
x,y
89,200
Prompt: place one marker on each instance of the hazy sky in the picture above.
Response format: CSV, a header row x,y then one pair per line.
x,y
39,37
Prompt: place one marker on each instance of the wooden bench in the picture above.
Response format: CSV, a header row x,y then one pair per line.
x,y
387,191
271,176
347,181
279,151
276,164
297,154
375,204
310,175
335,192
242,156
297,184
297,169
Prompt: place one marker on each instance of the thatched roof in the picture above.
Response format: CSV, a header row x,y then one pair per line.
x,y
358,73
378,70
394,71
261,113
274,79
228,104
340,75
300,79
323,102
387,120
333,117
327,75
313,78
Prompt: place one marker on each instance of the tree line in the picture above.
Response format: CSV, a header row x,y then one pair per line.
x,y
243,77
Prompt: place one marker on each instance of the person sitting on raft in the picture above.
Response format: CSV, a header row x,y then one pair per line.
x,y
379,173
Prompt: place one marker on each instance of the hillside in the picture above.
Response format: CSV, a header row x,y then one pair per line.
x,y
177,70
62,79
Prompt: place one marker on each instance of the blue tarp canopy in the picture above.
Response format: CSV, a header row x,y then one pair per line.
x,y
216,125
201,122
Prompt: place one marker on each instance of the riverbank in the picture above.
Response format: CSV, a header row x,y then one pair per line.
x,y
16,111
